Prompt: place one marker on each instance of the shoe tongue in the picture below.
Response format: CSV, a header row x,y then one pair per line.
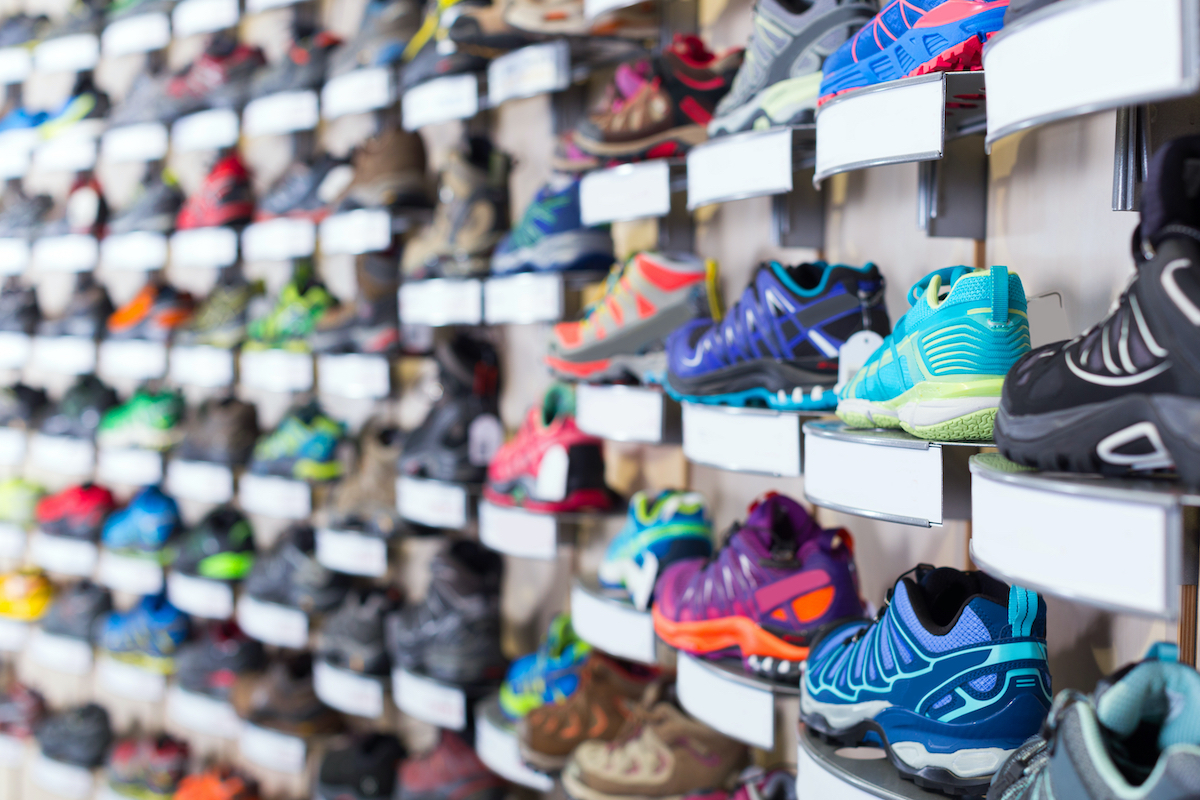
x,y
780,527
806,276
1158,696
1172,191
559,401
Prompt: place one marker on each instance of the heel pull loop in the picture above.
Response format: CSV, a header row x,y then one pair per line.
x,y
999,276
1022,610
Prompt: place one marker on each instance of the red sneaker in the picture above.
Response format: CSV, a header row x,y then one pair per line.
x,y
219,77
450,771
223,199
78,511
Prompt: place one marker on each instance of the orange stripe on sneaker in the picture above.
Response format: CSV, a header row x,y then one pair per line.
x,y
614,308
568,334
645,307
711,635
666,279
584,370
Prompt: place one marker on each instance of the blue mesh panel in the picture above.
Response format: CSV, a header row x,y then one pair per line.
x,y
871,670
983,684
945,701
968,631
885,643
901,648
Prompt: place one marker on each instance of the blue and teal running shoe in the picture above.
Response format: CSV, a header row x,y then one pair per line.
x,y
939,375
951,677
302,446
548,675
778,346
657,532
147,635
144,526
551,235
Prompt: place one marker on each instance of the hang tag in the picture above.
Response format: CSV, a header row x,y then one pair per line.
x,y
137,251
200,481
430,701
347,691
66,781
61,653
434,503
13,635
272,749
280,113
64,455
12,541
357,92
203,714
352,553
131,574
127,680
63,555
207,248
277,370
200,597
146,141
359,377
852,355
274,497
279,240
272,623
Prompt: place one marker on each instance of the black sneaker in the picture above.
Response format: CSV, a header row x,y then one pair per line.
x,y
212,663
18,307
86,313
1123,396
79,736
78,413
154,211
220,548
222,431
77,611
352,637
21,406
289,574
302,190
366,770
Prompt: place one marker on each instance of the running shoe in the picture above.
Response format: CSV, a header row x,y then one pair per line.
x,y
352,636
18,307
938,375
284,699
223,431
79,735
218,78
220,320
548,675
304,191
370,322
290,575
365,500
449,771
147,767
1136,735
25,594
364,770
387,26
217,783
672,526
22,406
913,37
302,66
303,446
551,236
778,346
211,663
224,198
221,547
78,611
21,710
84,112
389,174
772,585
550,466
950,677
77,512
780,80
86,314
148,420
294,317
144,526
80,410
148,635
18,501
153,314
155,208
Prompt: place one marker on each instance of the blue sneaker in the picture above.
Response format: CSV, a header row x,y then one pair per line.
x,y
951,677
548,675
778,346
143,526
551,236
672,526
147,635
19,120
940,372
913,37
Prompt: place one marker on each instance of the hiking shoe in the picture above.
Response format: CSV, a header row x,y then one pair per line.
x,y
294,317
1135,735
86,314
84,111
18,501
148,420
365,770
657,532
21,710
551,236
77,512
78,611
220,320
304,191
369,323
284,699
223,431
453,633
290,575
79,735
154,210
389,173
1116,398
85,211
365,501
449,771
147,767
515,476
22,215
938,375
387,26
303,446
211,663
148,635
79,411
951,677
302,66
25,594
780,80
352,636
550,674
621,334
19,311
218,78
144,526
598,709
778,345
153,314
913,37
224,198
221,547
22,406
217,783
773,584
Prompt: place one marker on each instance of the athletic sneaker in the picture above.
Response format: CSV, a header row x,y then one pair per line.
x,y
21,710
370,322
951,677
224,198
144,526
303,446
673,526
154,210
914,37
25,594
550,674
772,585
938,375
85,109
1136,735
365,770
365,500
778,346
222,431
221,547
220,320
284,699
78,611
387,26
147,767
154,313
18,307
550,466
211,663
302,192
389,173
217,783
21,406
300,305
148,635
449,771
86,314
80,410
1118,397
780,80
77,512
79,735
218,78
621,334
148,419
754,783
352,636
290,575
551,237
302,66
18,501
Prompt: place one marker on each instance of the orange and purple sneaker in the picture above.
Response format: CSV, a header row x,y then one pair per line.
x,y
913,37
776,581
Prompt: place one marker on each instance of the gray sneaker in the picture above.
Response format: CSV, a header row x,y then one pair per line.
x,y
352,637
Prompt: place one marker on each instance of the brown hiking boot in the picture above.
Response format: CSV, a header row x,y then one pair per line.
x,y
284,699
366,501
607,695
222,431
389,172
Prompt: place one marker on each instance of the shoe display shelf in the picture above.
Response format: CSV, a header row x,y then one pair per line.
x,y
273,750
358,91
16,154
434,701
14,252
627,413
205,130
887,474
203,714
522,533
274,496
272,623
60,779
200,481
518,299
131,574
612,623
749,164
280,239
14,635
129,681
352,553
74,52
631,191
349,691
70,152
205,598
133,359
63,455
137,33
71,252
276,370
204,248
834,772
445,99
200,366
15,348
436,504
442,301
529,71
365,230
354,375
497,745
723,696
65,655
192,17
136,251
282,113
754,440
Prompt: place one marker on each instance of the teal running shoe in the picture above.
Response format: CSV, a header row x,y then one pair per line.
x,y
939,374
951,677
673,526
548,675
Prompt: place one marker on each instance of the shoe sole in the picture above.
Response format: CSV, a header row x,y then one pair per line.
x,y
575,788
686,135
766,382
789,102
540,761
716,635
579,500
955,412
645,368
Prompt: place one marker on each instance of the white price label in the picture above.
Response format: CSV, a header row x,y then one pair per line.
x,y
524,298
273,750
273,496
204,16
63,780
433,503
210,367
498,749
529,71
354,232
277,370
204,247
352,553
135,143
272,623
283,112
200,597
620,413
12,750
128,573
72,53
64,455
205,130
129,466
730,706
12,541
355,376
137,252
441,302
742,439
14,253
201,481
15,64
67,153
440,100
61,653
133,358
518,532
279,240
137,34
75,252
357,92
14,350
630,191
127,680
16,151
429,700
347,691
613,626
13,634
63,555
735,167
203,714
68,355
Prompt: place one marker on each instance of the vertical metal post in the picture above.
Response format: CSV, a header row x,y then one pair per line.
x,y
676,231
798,217
1131,157
952,192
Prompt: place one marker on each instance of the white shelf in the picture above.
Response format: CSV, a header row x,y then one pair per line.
x,y
348,691
442,301
358,92
207,248
361,377
277,370
436,504
281,113
612,624
518,532
280,239
141,33
205,130
1074,57
136,251
272,623
722,696
886,474
274,496
523,298
133,358
441,100
626,192
744,165
191,17
365,230
147,141
626,413
73,252
497,745
72,53
529,71
742,439
68,355
435,702
833,772
1114,544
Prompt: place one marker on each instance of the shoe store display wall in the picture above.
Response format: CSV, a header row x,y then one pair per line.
x,y
454,400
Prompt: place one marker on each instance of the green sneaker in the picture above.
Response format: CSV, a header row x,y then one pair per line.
x,y
149,420
549,675
294,317
302,446
221,319
18,499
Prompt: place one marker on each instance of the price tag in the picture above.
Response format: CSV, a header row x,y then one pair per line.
x,y
440,100
205,130
279,113
204,16
594,8
357,92
204,247
536,69
277,370
355,376
737,709
64,780
14,253
433,503
75,252
273,496
61,653
64,455
138,34
273,750
429,701
129,466
272,623
620,413
63,555
630,191
67,153
518,532
12,541
347,691
498,749
525,298
203,714
279,240
441,302
201,481
127,573
14,162
363,231
13,634
734,167
15,64
210,367
73,53
12,750
137,251
127,680
352,553
135,143
14,350
613,626
742,439
200,597
133,358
